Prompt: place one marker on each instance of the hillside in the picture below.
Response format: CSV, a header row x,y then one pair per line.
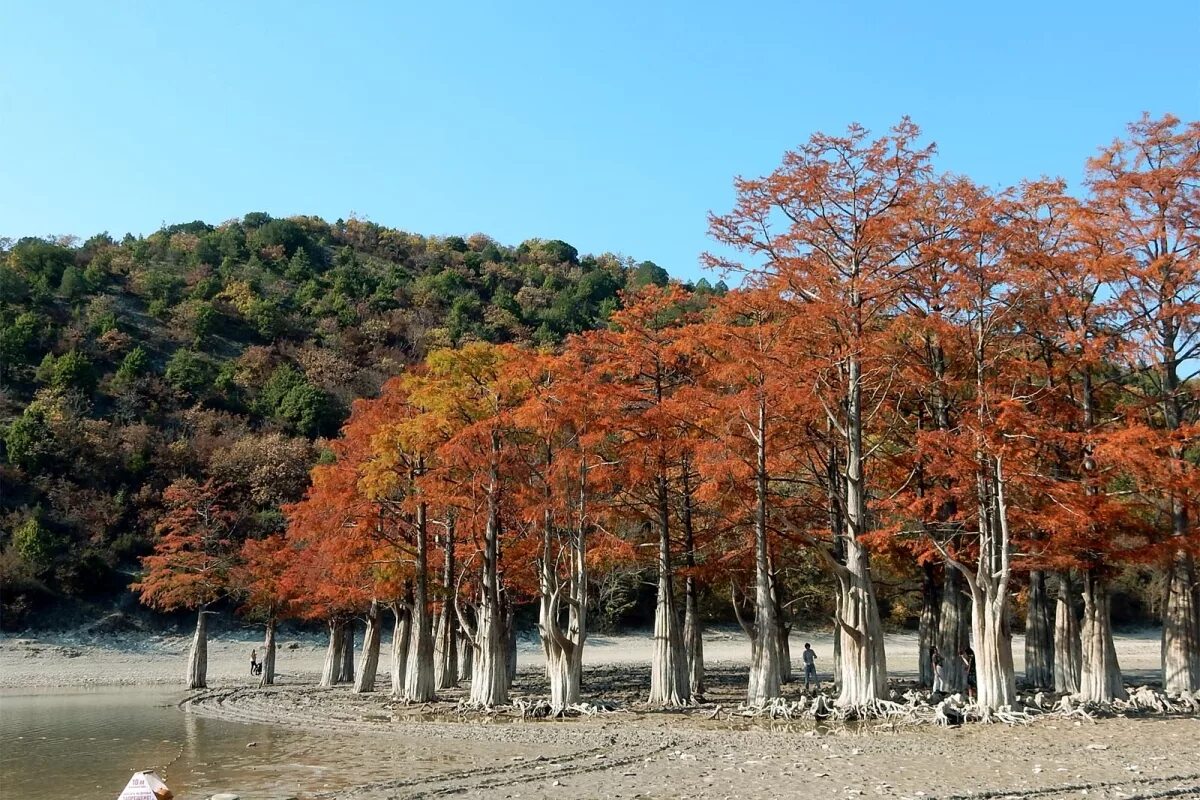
x,y
226,353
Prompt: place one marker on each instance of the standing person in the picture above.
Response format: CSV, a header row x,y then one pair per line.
x,y
939,678
253,662
810,667
968,659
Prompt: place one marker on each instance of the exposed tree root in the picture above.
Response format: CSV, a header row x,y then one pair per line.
x,y
541,709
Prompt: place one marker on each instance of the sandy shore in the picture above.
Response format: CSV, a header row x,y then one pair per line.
x,y
432,750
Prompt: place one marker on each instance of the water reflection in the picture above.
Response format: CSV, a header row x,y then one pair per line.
x,y
87,743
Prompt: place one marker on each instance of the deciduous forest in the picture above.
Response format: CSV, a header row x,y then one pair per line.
x,y
925,400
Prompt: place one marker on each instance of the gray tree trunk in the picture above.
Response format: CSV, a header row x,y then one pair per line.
x,y
401,636
669,684
1068,656
419,679
693,629
332,668
445,646
765,679
346,671
860,630
489,668
268,662
927,629
197,666
1181,624
368,665
954,630
1100,675
1039,634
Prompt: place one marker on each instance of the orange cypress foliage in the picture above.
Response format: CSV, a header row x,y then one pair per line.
x,y
194,551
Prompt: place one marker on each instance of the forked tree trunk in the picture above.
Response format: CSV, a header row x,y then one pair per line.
x,y
346,672
563,644
401,636
489,670
1039,634
368,664
197,666
1100,676
954,630
860,631
418,681
1181,624
927,629
332,668
997,680
669,684
1068,656
268,662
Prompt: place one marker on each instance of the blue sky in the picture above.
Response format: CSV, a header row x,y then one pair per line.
x,y
614,126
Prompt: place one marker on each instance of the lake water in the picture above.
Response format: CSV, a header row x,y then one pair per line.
x,y
86,744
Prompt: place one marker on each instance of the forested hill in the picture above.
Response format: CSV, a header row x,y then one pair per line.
x,y
224,353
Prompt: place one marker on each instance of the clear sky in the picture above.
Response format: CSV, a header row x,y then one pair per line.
x,y
611,125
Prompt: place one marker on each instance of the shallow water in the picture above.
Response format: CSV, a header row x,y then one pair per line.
x,y
75,744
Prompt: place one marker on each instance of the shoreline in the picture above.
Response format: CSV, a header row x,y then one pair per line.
x,y
67,660
391,749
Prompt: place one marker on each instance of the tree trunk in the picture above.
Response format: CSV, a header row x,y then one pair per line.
x,y
268,662
863,660
564,646
197,666
1068,655
765,679
510,645
332,669
693,638
954,630
1039,634
368,664
466,656
669,684
1181,626
401,637
927,631
997,679
418,682
445,672
784,622
1100,675
346,672
489,670
693,631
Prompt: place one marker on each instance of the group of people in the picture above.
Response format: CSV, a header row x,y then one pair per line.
x,y
967,656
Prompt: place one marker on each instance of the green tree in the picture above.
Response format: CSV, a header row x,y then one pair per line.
x,y
37,545
189,372
649,273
